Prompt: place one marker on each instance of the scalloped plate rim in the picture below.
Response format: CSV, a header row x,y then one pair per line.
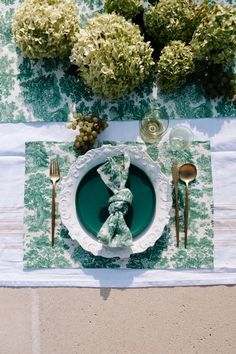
x,y
92,158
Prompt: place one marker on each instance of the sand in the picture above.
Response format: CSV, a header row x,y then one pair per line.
x,y
115,321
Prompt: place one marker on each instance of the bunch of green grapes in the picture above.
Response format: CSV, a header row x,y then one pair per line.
x,y
89,128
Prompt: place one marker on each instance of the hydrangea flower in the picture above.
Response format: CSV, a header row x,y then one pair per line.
x,y
175,64
127,8
46,28
171,20
215,38
112,56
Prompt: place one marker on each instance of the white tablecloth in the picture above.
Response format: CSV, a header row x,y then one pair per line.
x,y
221,133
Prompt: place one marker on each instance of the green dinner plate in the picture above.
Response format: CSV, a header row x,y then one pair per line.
x,y
92,201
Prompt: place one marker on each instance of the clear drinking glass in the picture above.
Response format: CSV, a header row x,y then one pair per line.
x,y
153,126
180,137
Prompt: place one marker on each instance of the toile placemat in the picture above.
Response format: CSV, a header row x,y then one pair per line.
x,y
45,90
67,253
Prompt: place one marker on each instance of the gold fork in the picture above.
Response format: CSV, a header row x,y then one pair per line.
x,y
54,175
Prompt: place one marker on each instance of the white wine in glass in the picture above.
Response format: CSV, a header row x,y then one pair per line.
x,y
153,127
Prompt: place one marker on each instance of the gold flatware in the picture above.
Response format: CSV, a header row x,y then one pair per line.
x,y
54,175
187,174
175,178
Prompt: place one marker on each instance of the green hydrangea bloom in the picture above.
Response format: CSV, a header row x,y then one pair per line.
x,y
215,38
175,64
201,10
127,8
112,56
46,28
171,20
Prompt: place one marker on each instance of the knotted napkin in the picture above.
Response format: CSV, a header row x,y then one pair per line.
x,y
114,173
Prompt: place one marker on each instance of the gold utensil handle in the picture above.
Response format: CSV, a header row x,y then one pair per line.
x,y
186,211
175,177
177,216
53,214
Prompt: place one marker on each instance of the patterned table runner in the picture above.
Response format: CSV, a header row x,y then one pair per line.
x,y
44,90
66,253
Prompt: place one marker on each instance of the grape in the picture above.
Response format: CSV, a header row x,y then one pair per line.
x,y
89,127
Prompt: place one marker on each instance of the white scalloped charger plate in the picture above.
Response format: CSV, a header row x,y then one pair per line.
x,y
85,163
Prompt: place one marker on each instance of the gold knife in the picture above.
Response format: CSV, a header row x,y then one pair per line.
x,y
175,177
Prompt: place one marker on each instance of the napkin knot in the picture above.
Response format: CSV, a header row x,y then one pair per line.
x,y
120,201
114,173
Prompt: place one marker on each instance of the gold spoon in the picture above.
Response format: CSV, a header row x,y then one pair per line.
x,y
187,174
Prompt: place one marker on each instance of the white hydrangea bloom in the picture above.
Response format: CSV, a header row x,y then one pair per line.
x,y
46,28
112,56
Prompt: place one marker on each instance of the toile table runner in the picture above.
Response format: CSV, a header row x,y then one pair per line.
x,y
67,253
45,90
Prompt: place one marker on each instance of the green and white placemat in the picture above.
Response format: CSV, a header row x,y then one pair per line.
x,y
44,90
66,253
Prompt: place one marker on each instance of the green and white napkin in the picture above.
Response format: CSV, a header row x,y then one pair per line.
x,y
114,173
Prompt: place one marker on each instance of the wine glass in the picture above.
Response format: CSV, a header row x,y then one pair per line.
x,y
153,126
180,137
